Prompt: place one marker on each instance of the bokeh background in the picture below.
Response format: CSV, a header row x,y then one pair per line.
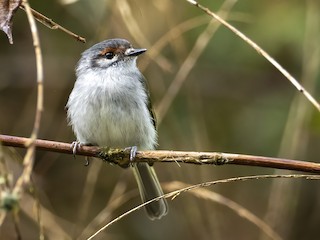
x,y
231,100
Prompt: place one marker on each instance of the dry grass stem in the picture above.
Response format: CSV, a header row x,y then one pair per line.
x,y
220,199
175,194
255,46
24,178
29,157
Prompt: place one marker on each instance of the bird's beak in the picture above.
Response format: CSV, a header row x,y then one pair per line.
x,y
134,52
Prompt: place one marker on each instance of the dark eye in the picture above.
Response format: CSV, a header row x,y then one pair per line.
x,y
109,55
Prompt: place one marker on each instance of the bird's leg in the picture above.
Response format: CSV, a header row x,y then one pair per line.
x,y
133,152
75,145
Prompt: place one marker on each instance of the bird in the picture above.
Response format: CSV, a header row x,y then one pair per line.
x,y
110,105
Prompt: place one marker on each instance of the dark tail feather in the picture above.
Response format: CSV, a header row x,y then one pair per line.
x,y
150,188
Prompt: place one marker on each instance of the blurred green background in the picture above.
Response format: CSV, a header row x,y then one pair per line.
x,y
232,100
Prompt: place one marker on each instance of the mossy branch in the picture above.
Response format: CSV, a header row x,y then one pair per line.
x,y
121,156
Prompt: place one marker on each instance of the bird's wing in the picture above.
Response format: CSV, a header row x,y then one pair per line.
x,y
149,104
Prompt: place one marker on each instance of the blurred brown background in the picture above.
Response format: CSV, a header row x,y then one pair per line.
x,y
232,100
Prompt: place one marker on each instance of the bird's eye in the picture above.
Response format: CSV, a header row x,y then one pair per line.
x,y
109,55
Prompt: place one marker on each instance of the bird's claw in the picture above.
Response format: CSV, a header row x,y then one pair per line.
x,y
133,153
75,145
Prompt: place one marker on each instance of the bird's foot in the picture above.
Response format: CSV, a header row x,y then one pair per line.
x,y
75,146
133,153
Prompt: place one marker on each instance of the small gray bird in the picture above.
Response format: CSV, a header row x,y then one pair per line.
x,y
110,106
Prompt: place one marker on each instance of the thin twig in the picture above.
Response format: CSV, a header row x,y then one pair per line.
x,y
51,24
175,194
121,156
220,199
29,157
24,178
260,51
46,145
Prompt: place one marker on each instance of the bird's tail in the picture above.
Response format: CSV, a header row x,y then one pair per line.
x,y
150,188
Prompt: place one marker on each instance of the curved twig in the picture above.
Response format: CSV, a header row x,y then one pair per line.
x,y
175,194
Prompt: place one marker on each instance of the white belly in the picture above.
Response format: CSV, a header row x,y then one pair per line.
x,y
112,114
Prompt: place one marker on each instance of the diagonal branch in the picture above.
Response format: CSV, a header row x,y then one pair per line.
x,y
256,47
51,24
121,156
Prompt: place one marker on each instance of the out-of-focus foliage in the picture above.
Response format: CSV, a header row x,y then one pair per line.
x,y
233,100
